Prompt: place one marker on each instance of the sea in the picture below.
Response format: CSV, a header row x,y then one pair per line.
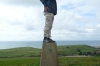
x,y
38,44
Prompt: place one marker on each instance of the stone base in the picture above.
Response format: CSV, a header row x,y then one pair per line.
x,y
49,55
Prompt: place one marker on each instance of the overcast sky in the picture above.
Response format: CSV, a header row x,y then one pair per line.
x,y
23,20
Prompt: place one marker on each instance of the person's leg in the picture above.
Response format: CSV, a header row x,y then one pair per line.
x,y
49,17
48,24
51,26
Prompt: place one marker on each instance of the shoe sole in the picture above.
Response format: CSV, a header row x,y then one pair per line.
x,y
48,42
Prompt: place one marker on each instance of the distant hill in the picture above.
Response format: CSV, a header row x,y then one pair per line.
x,y
20,52
64,50
76,50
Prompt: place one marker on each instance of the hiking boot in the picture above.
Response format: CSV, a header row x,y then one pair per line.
x,y
48,40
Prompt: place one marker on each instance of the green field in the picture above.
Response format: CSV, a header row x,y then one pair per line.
x,y
20,52
69,55
76,50
65,50
63,61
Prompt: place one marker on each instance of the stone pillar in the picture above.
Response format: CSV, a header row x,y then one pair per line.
x,y
49,55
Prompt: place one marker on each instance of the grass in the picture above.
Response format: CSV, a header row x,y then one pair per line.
x,y
20,62
75,49
28,56
80,61
35,52
20,52
63,61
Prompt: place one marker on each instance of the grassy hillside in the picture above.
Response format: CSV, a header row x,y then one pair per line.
x,y
20,52
63,61
76,50
34,52
28,56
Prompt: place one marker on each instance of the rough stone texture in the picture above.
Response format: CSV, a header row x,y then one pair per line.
x,y
49,56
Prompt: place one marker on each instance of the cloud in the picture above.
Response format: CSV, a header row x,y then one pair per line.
x,y
22,2
24,20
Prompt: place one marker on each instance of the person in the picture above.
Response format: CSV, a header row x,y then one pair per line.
x,y
50,10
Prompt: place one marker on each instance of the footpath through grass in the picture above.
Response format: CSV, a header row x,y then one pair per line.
x,y
63,61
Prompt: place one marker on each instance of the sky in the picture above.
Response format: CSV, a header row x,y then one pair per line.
x,y
23,20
